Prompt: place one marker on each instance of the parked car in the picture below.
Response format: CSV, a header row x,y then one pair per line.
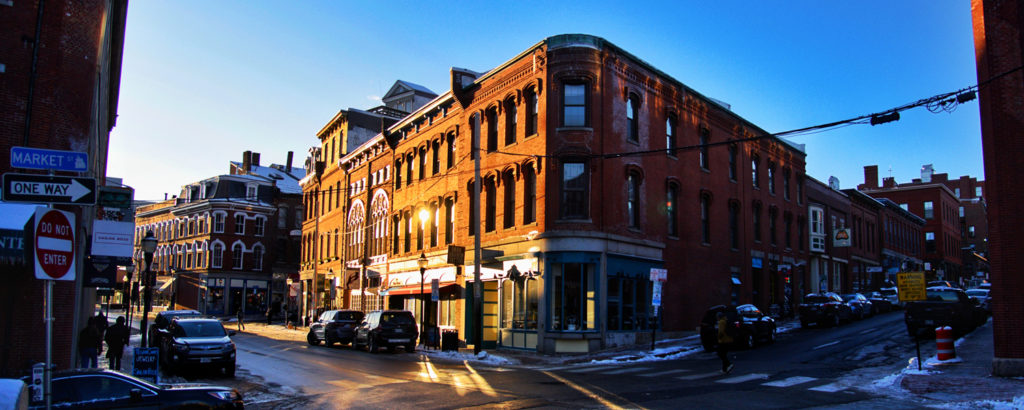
x,y
198,342
879,302
824,309
944,306
387,328
334,326
942,283
107,389
162,320
860,306
893,295
982,296
751,325
13,394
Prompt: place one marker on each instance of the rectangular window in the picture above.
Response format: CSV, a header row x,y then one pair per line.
x,y
905,207
436,166
632,120
423,163
490,205
704,160
492,129
450,150
260,222
732,163
521,301
633,199
970,231
408,168
240,224
771,178
961,212
574,299
785,185
574,190
510,121
531,112
574,105
449,221
956,191
929,210
529,195
510,200
755,176
396,228
929,242
434,220
408,231
977,191
670,136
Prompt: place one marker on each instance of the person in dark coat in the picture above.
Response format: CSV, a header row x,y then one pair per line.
x,y
117,338
724,340
270,314
90,344
241,319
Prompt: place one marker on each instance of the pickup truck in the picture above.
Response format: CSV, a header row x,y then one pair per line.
x,y
945,306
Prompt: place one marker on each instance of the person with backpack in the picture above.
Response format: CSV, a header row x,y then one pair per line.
x,y
116,338
724,340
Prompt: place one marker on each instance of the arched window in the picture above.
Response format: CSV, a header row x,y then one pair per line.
x,y
355,226
379,209
633,198
257,258
236,256
492,129
670,135
705,138
755,175
672,209
531,111
490,204
510,121
217,255
529,194
450,151
633,118
508,180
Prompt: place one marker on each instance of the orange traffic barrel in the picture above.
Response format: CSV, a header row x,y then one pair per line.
x,y
944,343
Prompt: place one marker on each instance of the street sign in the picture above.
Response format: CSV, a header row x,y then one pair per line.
x,y
434,290
659,275
49,189
114,197
38,158
54,244
911,286
656,294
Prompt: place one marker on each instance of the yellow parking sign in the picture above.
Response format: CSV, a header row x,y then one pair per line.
x,y
911,286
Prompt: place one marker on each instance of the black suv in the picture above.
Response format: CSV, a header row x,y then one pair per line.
x,y
198,342
162,320
387,328
751,326
334,326
825,308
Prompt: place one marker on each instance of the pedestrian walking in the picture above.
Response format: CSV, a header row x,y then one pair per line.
x,y
270,314
241,319
116,338
724,340
90,344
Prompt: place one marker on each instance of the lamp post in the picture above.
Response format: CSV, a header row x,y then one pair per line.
x,y
126,299
148,247
422,261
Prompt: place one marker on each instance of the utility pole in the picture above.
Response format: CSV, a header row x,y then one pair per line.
x,y
478,289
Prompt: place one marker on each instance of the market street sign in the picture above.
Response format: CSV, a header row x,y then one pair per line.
x,y
54,244
49,189
38,158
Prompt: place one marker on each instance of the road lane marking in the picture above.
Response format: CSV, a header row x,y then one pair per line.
x,y
550,369
792,381
627,370
825,345
604,402
829,388
867,331
667,372
743,378
699,376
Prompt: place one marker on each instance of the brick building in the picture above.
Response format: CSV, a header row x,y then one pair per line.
x,y
60,69
594,168
938,205
998,27
226,242
866,272
828,211
902,240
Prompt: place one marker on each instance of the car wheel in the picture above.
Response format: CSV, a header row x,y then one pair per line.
x,y
371,345
311,339
327,340
229,370
411,347
749,341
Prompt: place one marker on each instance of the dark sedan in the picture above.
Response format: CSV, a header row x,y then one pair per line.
x,y
334,326
860,306
824,309
751,324
106,389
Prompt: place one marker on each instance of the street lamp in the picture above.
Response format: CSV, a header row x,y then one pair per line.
x,y
148,247
422,261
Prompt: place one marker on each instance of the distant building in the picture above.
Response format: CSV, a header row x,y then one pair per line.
x,y
227,242
828,213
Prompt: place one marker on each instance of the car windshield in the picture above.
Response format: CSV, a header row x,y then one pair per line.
x,y
200,329
817,299
945,295
396,319
356,316
888,292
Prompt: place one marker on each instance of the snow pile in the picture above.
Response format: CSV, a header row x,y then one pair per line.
x,y
482,358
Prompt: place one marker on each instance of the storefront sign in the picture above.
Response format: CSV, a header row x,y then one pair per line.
x,y
841,238
147,363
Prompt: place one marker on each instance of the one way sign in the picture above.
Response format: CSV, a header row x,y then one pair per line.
x,y
49,189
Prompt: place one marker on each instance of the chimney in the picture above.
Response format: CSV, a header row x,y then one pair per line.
x,y
246,161
165,196
889,182
288,166
871,176
255,159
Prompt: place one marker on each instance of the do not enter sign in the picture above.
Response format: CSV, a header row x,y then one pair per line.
x,y
54,244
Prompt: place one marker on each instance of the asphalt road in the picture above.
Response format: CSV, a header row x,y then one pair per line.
x,y
806,368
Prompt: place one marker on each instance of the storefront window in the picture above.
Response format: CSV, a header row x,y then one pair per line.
x,y
256,296
574,297
520,299
215,296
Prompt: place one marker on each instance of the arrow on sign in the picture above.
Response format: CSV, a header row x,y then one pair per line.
x,y
53,189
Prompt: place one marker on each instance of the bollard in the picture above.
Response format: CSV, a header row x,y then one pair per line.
x,y
944,343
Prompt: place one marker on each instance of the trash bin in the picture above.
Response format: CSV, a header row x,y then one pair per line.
x,y
449,339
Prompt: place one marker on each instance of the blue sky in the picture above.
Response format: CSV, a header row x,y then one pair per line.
x,y
204,81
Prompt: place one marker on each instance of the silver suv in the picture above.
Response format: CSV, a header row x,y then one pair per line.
x,y
198,342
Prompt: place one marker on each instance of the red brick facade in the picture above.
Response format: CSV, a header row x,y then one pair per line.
x,y
998,28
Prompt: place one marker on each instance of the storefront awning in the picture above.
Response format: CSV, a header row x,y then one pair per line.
x,y
415,289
